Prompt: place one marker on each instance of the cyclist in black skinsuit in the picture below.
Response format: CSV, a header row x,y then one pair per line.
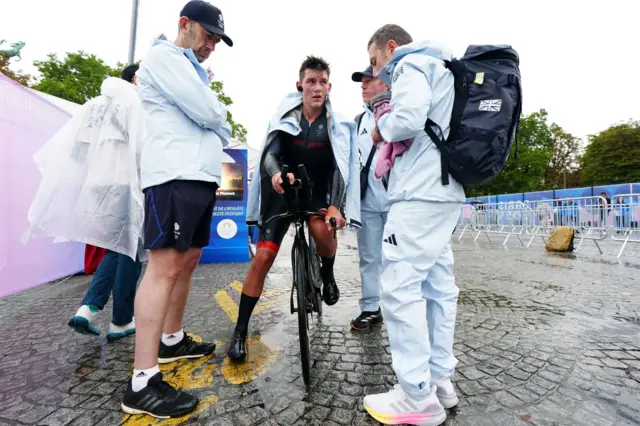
x,y
312,148
318,132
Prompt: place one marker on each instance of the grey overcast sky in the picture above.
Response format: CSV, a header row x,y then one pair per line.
x,y
579,59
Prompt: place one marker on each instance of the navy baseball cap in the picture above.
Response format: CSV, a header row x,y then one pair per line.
x,y
208,16
357,76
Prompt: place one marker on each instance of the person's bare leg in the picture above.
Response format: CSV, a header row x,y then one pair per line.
x,y
178,300
152,302
326,245
258,270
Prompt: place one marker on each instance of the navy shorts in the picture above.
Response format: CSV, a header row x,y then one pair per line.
x,y
178,214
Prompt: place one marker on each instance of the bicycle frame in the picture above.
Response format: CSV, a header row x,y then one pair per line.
x,y
308,295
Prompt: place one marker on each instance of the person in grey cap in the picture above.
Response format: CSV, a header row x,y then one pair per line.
x,y
373,211
180,173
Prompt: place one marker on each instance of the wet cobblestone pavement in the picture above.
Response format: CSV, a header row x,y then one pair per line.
x,y
541,340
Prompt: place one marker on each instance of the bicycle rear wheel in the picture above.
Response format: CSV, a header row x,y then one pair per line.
x,y
301,282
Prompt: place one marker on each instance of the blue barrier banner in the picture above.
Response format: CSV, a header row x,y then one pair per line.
x,y
485,199
229,241
538,196
612,190
573,192
505,198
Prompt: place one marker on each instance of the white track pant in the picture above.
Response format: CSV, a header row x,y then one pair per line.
x,y
370,251
419,295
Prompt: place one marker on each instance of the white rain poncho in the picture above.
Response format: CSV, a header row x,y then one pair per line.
x,y
90,189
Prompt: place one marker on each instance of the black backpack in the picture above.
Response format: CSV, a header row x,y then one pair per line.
x,y
485,117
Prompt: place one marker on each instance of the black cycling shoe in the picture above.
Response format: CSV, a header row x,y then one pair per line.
x,y
187,348
238,347
366,319
158,399
330,292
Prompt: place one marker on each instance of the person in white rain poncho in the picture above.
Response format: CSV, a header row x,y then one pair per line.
x,y
90,193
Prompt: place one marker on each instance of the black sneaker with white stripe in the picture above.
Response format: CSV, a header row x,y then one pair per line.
x,y
366,320
158,399
186,348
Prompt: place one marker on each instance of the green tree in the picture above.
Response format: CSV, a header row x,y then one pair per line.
x,y
239,132
526,173
77,78
19,76
565,150
613,155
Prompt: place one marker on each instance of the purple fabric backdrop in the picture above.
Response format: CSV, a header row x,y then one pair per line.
x,y
26,124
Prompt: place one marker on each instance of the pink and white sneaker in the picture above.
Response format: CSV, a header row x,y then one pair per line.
x,y
396,407
445,392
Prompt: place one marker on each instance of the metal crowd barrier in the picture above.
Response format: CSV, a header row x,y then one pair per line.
x,y
500,219
625,218
586,215
592,218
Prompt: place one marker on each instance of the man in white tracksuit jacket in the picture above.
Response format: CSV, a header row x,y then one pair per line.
x,y
373,209
419,294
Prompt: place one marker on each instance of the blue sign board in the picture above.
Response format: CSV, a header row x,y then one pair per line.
x,y
229,241
506,198
573,192
538,196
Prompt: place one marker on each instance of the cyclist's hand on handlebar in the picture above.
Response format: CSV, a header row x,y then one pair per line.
x,y
333,212
276,182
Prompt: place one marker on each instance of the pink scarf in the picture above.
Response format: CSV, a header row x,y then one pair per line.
x,y
388,151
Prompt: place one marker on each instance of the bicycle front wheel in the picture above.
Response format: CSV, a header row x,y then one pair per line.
x,y
301,279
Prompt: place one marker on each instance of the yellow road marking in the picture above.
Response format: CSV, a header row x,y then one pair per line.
x,y
228,305
184,375
237,286
144,420
259,360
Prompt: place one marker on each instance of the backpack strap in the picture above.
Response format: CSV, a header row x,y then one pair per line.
x,y
358,120
440,143
370,159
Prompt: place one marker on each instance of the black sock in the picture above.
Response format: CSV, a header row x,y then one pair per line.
x,y
326,269
247,303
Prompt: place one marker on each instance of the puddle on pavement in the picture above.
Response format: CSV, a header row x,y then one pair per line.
x,y
588,259
479,297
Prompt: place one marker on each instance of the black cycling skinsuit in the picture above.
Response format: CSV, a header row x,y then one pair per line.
x,y
311,147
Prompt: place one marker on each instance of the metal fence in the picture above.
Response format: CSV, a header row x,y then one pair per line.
x,y
592,218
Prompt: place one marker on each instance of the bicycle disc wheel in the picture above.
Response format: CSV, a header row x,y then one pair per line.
x,y
300,280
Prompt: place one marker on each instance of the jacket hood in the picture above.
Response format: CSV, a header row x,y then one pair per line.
x,y
294,100
425,47
115,87
205,75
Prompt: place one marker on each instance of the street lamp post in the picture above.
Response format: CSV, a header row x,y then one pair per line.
x,y
134,27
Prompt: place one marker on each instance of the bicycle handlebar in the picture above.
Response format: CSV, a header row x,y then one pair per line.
x,y
302,183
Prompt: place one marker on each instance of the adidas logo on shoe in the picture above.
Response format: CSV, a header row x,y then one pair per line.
x,y
391,240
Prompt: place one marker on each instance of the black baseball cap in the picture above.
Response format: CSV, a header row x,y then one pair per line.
x,y
357,76
208,16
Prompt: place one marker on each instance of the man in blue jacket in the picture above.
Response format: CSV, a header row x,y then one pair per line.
x,y
419,294
180,172
304,130
373,209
